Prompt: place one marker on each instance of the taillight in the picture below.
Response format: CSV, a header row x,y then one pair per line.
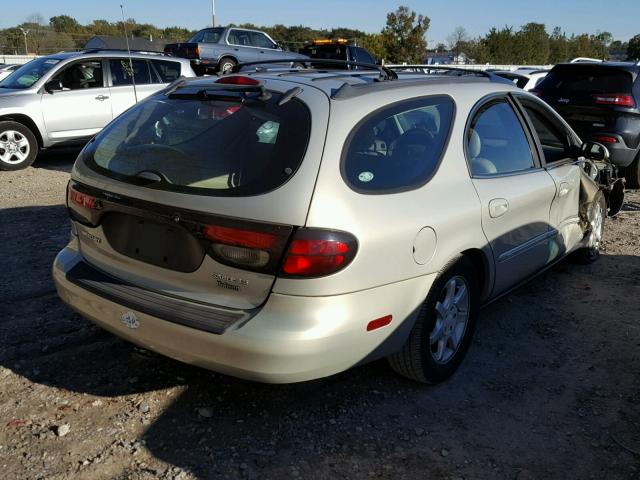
x,y
605,139
244,248
316,253
82,199
536,92
619,100
238,80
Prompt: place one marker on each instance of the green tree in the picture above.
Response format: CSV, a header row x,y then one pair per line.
x,y
532,44
633,50
65,24
404,36
374,43
558,46
500,46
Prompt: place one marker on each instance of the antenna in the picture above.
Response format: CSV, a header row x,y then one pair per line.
x,y
126,37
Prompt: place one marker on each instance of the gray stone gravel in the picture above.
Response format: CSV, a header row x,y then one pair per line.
x,y
549,388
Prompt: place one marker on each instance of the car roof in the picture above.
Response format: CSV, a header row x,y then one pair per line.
x,y
346,84
113,54
629,66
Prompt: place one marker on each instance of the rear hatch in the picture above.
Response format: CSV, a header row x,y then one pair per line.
x,y
196,193
590,97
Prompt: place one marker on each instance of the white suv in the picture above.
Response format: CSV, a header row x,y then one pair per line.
x,y
67,98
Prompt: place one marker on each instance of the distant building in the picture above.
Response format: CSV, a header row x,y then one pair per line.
x,y
119,43
447,58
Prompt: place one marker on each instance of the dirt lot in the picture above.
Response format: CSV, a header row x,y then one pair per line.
x,y
550,388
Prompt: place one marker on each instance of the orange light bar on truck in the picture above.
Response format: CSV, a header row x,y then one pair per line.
x,y
327,41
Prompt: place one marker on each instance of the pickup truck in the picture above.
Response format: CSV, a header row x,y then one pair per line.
x,y
220,49
338,49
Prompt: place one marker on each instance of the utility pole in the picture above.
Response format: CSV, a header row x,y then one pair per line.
x,y
213,13
26,48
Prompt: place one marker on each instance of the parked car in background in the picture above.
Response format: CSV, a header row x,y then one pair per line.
x,y
601,101
526,79
339,217
338,49
6,70
67,98
220,49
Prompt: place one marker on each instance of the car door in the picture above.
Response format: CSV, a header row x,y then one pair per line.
x,y
83,107
240,43
122,74
557,145
266,48
514,191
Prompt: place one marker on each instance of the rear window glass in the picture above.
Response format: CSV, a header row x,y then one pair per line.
x,y
586,79
331,52
216,146
168,71
398,147
207,36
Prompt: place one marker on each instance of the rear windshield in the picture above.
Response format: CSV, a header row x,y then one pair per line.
x,y
216,146
331,52
586,80
211,35
399,147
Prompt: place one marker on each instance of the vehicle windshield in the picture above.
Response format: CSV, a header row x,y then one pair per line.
x,y
27,75
215,146
586,80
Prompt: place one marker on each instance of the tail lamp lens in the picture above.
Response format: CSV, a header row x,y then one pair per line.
x,y
620,100
242,248
605,139
316,253
82,199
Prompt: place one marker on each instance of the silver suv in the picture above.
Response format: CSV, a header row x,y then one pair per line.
x,y
69,97
282,226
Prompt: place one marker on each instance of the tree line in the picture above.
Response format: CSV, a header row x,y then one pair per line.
x,y
403,39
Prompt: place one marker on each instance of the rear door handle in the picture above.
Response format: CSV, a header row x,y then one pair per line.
x,y
498,207
102,98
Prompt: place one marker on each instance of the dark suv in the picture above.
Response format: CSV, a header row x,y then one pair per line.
x,y
601,102
338,49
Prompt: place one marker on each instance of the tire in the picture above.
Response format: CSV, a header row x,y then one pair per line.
x,y
417,360
297,65
225,65
632,173
18,146
596,215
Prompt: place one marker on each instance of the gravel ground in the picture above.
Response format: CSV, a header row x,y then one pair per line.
x,y
550,388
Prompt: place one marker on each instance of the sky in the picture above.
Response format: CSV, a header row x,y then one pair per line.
x,y
574,16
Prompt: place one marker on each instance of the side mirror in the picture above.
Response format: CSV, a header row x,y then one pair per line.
x,y
595,151
53,86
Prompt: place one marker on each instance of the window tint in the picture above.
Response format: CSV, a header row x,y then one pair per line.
x,y
121,73
81,75
497,143
554,143
261,40
217,147
586,80
168,71
399,147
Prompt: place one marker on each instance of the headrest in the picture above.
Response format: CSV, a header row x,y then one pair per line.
x,y
475,145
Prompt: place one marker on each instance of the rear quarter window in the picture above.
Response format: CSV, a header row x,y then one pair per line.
x,y
399,147
586,80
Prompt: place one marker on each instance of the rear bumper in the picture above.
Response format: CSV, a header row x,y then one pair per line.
x,y
290,339
621,155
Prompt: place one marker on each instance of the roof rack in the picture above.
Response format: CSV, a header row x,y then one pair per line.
x,y
385,73
123,50
424,69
